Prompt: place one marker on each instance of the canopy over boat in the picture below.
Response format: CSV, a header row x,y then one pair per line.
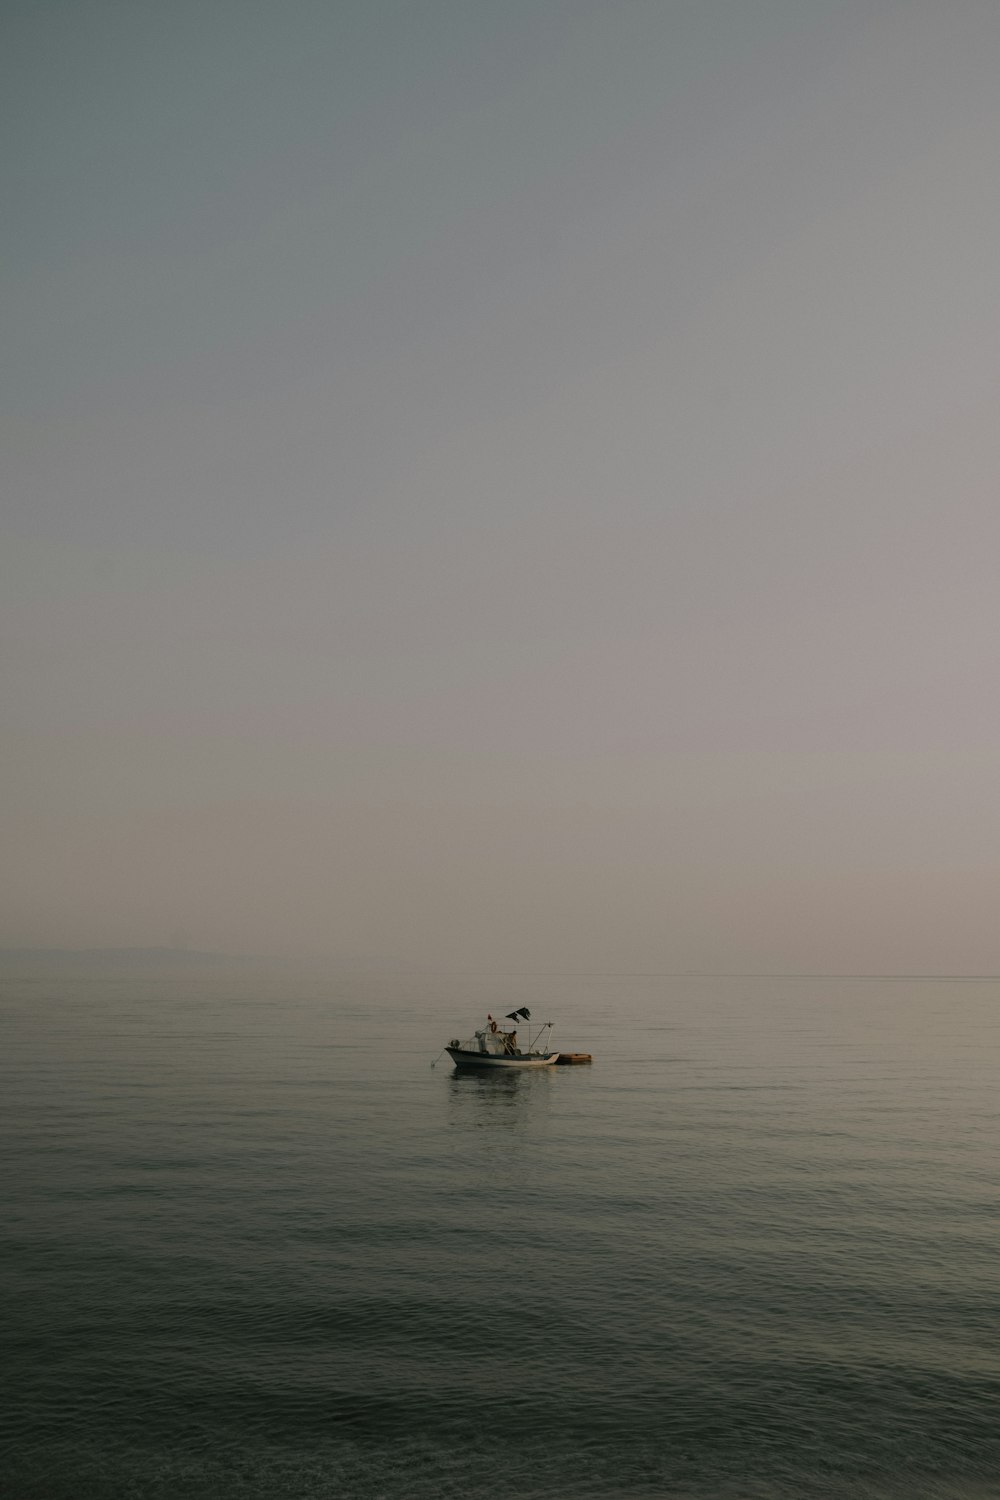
x,y
496,1046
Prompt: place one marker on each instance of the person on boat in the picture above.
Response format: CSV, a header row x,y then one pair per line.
x,y
510,1043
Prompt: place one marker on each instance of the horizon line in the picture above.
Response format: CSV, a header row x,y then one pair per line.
x,y
401,968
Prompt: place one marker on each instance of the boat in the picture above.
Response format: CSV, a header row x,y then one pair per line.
x,y
496,1046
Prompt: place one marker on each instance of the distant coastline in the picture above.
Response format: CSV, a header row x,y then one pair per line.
x,y
105,960
115,958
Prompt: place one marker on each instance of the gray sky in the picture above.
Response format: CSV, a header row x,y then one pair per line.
x,y
504,484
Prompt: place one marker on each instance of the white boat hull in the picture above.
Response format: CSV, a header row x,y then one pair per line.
x,y
465,1057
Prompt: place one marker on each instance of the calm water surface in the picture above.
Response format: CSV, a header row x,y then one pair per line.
x,y
254,1247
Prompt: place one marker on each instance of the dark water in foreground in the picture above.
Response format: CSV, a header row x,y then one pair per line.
x,y
254,1247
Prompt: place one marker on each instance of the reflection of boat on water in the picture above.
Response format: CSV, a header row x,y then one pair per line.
x,y
493,1046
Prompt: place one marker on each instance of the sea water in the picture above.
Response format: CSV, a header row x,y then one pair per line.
x,y
254,1246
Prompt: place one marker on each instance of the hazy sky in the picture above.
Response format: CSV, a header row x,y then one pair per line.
x,y
507,484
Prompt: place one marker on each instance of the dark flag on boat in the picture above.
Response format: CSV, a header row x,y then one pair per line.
x,y
517,1015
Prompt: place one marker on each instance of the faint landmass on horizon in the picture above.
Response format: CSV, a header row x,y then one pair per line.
x,y
186,960
104,958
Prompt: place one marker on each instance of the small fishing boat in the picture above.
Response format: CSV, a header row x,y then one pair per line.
x,y
495,1046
